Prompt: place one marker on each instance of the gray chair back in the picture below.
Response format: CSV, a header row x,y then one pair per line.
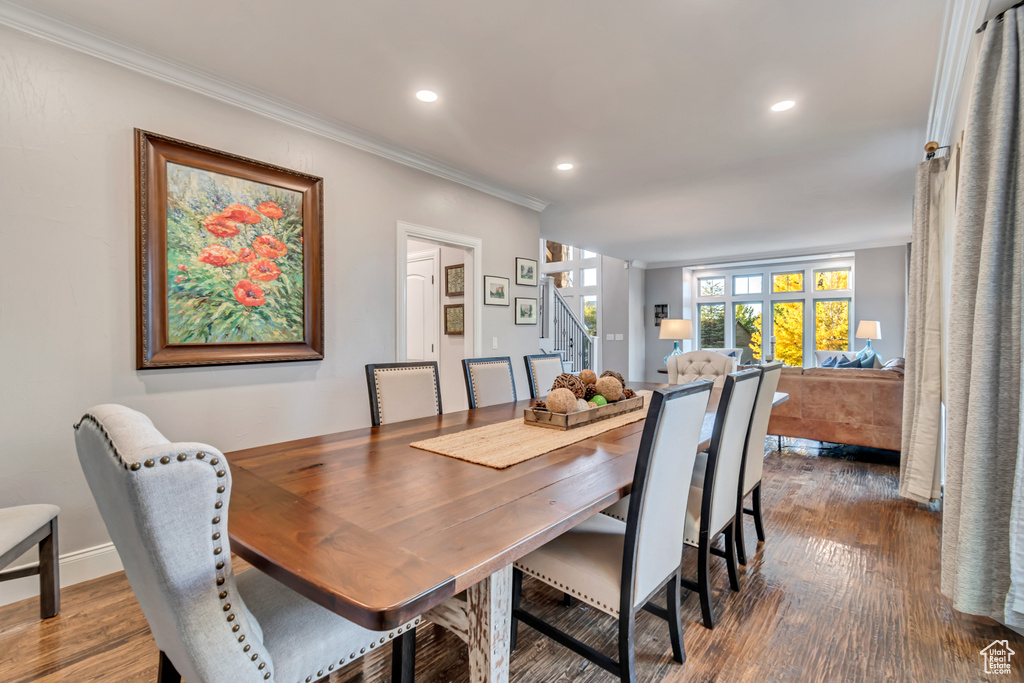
x,y
489,381
656,516
753,466
403,391
728,444
165,506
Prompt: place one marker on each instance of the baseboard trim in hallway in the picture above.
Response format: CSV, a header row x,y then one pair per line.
x,y
75,567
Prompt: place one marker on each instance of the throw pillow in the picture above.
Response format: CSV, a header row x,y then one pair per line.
x,y
830,362
852,363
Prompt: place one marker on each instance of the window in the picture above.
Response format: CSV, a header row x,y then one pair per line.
x,y
557,252
832,324
746,284
832,279
587,254
712,325
590,314
748,329
562,279
787,282
788,330
589,277
711,286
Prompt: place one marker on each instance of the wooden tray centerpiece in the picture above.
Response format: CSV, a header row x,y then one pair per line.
x,y
577,401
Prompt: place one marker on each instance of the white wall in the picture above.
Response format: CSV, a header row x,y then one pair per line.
x,y
613,315
880,293
67,287
663,286
637,330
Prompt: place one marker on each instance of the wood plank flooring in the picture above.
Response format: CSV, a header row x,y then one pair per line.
x,y
845,589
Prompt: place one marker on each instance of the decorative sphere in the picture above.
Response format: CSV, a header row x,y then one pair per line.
x,y
569,381
612,373
610,388
561,401
599,400
593,404
581,405
588,376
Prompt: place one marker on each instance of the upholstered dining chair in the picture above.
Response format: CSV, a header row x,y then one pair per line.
x,y
714,486
489,381
403,391
694,365
541,370
166,506
22,527
617,567
753,462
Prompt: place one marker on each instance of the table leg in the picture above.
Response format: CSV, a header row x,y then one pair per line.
x,y
489,606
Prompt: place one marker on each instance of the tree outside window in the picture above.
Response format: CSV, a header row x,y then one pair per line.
x,y
748,328
788,327
787,282
832,279
832,324
712,325
590,314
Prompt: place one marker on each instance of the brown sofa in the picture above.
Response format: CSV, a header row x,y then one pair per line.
x,y
848,406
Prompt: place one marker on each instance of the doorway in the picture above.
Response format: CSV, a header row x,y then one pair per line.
x,y
426,260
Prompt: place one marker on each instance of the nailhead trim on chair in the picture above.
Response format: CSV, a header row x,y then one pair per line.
x,y
376,384
220,565
572,591
408,625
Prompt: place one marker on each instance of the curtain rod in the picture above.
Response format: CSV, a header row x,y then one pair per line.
x,y
999,17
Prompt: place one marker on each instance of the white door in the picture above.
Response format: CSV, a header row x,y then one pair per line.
x,y
422,306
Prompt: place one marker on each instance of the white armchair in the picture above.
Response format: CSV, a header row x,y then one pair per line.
x,y
165,506
689,367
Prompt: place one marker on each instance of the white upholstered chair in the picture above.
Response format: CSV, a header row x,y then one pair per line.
x,y
403,391
694,365
753,463
615,566
714,486
489,381
542,370
22,527
165,506
732,353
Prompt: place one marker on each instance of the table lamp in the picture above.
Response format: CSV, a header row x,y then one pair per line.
x,y
676,330
869,329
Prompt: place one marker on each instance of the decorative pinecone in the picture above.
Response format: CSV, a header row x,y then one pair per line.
x,y
571,382
539,405
628,393
612,373
591,392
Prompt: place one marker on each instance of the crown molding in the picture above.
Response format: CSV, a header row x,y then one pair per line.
x,y
208,84
961,20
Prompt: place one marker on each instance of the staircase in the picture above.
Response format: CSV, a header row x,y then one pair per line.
x,y
562,331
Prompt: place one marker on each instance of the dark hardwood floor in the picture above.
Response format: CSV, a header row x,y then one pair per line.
x,y
845,589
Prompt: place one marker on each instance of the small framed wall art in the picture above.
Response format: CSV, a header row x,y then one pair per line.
x,y
229,264
455,280
660,313
526,311
526,271
455,319
496,291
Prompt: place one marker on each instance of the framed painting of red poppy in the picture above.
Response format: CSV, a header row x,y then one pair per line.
x,y
229,259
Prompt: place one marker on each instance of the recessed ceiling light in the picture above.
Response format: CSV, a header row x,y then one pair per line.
x,y
564,166
783,105
426,96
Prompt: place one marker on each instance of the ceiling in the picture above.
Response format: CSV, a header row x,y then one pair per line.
x,y
663,105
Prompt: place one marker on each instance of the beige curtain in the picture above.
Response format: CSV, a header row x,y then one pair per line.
x,y
921,452
983,516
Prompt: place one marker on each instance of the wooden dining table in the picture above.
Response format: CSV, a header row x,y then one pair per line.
x,y
381,532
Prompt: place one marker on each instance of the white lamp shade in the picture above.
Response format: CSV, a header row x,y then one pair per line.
x,y
676,329
869,329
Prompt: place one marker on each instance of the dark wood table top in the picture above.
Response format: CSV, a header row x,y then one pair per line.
x,y
379,532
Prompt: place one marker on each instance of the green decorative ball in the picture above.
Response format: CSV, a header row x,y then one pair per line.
x,y
599,400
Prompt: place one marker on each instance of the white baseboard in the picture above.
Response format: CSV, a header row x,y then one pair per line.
x,y
75,567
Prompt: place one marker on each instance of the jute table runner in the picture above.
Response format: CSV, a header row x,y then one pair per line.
x,y
509,443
